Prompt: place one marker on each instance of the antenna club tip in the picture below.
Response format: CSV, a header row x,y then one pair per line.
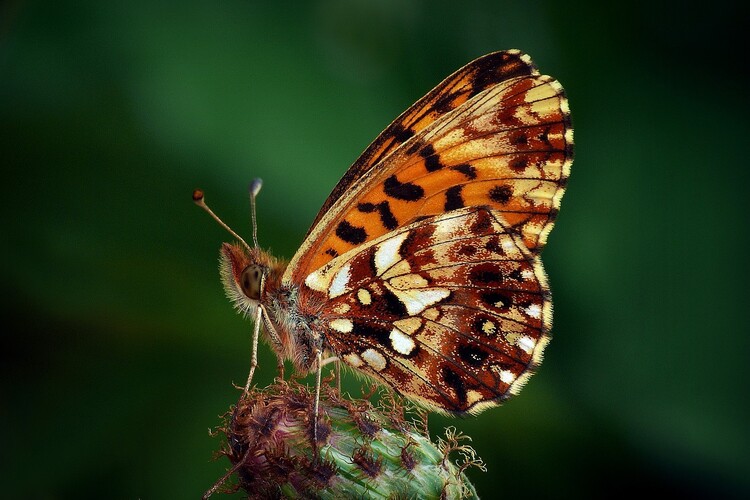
x,y
198,196
255,186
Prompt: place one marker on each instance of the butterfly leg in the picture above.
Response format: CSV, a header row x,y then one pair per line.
x,y
316,406
338,377
254,356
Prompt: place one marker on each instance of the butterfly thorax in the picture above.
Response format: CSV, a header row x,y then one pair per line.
x,y
254,277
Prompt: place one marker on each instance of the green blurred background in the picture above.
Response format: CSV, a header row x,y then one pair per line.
x,y
122,348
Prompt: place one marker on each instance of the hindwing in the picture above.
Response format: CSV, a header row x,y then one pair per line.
x,y
452,311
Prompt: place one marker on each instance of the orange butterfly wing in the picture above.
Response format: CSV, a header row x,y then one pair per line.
x,y
455,90
495,134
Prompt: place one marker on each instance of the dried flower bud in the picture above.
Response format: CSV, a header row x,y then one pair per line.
x,y
362,451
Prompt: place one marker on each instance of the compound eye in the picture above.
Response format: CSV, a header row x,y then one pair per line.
x,y
251,280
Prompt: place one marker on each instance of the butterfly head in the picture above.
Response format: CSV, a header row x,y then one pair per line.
x,y
245,273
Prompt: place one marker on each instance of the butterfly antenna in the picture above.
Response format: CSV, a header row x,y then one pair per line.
x,y
254,190
198,198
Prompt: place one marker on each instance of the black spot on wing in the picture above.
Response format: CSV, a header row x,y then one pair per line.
x,y
501,194
468,170
454,380
519,163
401,134
515,275
382,337
486,275
445,102
518,138
378,333
431,158
496,299
402,190
351,234
467,250
414,147
453,198
493,245
544,136
383,208
472,355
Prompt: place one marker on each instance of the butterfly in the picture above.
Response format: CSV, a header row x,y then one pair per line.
x,y
422,269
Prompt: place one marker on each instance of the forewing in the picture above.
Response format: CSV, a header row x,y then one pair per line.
x,y
504,144
452,311
451,93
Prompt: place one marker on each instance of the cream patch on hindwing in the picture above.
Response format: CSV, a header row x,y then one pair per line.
x,y
409,325
330,279
523,342
401,268
431,314
417,300
387,253
534,310
317,281
342,325
526,343
364,297
489,327
340,281
507,376
401,343
374,358
473,396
